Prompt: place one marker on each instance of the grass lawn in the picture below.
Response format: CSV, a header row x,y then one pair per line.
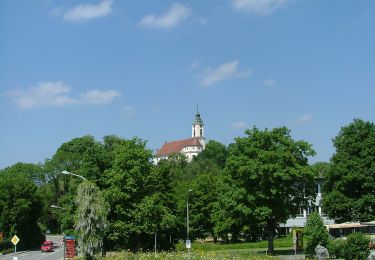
x,y
209,250
194,255
285,242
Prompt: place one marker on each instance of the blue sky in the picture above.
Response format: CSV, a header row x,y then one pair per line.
x,y
139,68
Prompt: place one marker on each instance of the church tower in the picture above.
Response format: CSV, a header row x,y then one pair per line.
x,y
198,128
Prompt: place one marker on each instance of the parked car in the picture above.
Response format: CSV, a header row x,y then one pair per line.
x,y
47,246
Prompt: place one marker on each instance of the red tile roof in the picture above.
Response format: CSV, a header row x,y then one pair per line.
x,y
177,146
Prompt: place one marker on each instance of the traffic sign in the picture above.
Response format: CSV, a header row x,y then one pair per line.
x,y
15,240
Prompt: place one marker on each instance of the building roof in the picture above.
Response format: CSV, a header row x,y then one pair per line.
x,y
198,120
177,146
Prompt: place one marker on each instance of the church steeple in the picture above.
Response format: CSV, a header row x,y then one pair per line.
x,y
198,127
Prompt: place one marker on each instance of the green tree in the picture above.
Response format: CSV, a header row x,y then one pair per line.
x,y
83,156
203,198
215,151
90,219
126,185
271,173
21,209
350,183
315,233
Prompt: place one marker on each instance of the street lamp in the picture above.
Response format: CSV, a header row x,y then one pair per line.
x,y
69,173
57,207
188,243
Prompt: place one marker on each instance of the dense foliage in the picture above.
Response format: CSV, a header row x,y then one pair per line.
x,y
350,182
241,191
91,219
271,177
315,233
357,246
20,208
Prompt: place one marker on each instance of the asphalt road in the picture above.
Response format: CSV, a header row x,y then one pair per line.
x,y
57,254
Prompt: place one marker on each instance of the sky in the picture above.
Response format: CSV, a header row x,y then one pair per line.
x,y
140,68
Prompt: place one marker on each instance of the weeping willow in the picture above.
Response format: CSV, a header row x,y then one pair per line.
x,y
91,219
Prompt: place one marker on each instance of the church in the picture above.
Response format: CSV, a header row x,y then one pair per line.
x,y
190,147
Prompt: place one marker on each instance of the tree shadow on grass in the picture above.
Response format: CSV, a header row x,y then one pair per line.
x,y
281,251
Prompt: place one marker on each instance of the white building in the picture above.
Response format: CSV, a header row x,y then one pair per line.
x,y
189,147
301,218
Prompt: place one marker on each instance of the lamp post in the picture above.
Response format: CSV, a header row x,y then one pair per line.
x,y
58,207
69,173
54,206
188,243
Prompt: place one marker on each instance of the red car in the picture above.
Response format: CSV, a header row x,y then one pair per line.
x,y
47,246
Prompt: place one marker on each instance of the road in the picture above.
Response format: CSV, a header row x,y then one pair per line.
x,y
57,254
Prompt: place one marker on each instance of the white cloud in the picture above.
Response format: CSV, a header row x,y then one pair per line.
x,y
304,119
238,125
56,94
260,7
225,71
172,18
270,83
194,65
128,111
85,12
96,96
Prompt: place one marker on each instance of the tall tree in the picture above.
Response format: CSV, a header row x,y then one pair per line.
x,y
215,151
20,209
271,171
125,187
350,183
90,219
83,156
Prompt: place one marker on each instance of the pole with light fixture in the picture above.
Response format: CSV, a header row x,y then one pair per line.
x,y
69,173
188,242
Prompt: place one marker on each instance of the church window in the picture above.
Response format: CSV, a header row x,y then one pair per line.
x,y
201,132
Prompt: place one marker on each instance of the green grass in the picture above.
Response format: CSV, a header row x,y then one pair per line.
x,y
285,242
194,255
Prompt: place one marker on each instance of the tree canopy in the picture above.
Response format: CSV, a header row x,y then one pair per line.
x,y
350,182
270,171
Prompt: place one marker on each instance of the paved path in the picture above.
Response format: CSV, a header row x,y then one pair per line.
x,y
292,257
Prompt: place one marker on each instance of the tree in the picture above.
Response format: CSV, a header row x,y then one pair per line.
x,y
270,171
20,209
350,183
315,233
83,156
203,198
91,219
126,185
215,151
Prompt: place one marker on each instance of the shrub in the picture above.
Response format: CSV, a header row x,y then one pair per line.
x,y
315,233
357,246
337,248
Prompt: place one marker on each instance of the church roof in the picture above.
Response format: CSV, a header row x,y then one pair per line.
x,y
177,146
198,120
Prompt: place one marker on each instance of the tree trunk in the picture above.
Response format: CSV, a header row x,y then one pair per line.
x,y
270,233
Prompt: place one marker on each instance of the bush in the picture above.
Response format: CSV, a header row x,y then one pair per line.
x,y
315,233
337,248
357,246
